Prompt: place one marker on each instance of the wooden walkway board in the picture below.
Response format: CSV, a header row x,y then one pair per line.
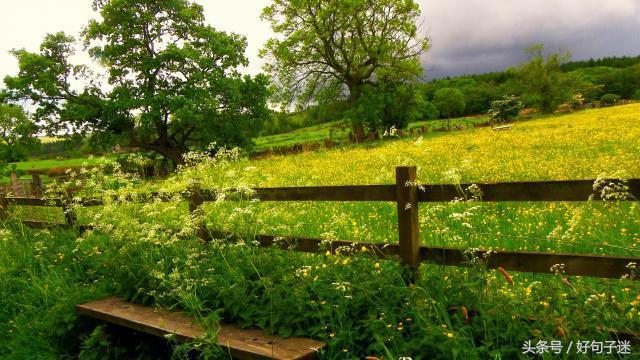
x,y
241,344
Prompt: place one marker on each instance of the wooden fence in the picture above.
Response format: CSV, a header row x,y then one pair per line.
x,y
407,194
23,187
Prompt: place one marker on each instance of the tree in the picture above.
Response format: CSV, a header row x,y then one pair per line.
x,y
18,133
622,82
478,97
428,110
174,80
609,99
450,102
327,47
391,103
505,109
45,78
544,84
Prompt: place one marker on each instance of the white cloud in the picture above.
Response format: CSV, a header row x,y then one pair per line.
x,y
24,24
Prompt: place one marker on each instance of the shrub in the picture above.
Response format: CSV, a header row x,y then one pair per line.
x,y
35,171
61,170
393,103
636,95
429,111
609,99
450,102
505,109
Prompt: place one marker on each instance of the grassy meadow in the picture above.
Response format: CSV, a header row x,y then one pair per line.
x,y
338,131
584,145
359,305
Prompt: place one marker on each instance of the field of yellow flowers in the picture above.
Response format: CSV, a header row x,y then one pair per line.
x,y
359,305
584,145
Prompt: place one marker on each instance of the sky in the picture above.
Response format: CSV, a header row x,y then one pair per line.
x,y
467,36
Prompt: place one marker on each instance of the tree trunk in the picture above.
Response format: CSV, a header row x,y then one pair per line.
x,y
171,153
449,123
357,127
174,155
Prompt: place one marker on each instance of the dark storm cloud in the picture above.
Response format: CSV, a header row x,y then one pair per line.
x,y
471,36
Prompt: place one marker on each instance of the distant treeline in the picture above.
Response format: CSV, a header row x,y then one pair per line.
x,y
592,79
611,77
613,61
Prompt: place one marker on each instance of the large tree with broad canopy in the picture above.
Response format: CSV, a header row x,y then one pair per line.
x,y
324,49
173,80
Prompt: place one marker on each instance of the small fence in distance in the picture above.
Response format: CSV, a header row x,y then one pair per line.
x,y
407,194
23,187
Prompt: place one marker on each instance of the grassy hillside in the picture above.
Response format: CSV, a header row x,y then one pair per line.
x,y
576,146
583,145
338,131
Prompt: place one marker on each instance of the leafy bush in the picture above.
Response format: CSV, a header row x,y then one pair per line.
x,y
429,111
609,99
62,170
390,104
505,109
450,102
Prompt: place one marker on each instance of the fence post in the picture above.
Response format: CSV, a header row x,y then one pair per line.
x,y
69,214
195,201
4,208
408,226
36,186
14,184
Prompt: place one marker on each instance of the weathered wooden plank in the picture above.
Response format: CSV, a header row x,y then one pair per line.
x,y
34,224
408,225
613,267
573,190
136,199
36,186
310,245
241,344
4,207
27,201
328,193
195,201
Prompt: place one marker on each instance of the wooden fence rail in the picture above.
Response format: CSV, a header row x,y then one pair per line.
x,y
407,194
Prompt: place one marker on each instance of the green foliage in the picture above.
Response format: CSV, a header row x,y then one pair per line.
x,y
18,134
45,79
429,110
505,109
613,62
390,103
636,95
529,82
174,80
449,101
545,85
622,82
325,46
478,90
609,99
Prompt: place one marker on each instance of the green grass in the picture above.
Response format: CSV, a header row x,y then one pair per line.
x,y
359,305
49,164
317,133
338,131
